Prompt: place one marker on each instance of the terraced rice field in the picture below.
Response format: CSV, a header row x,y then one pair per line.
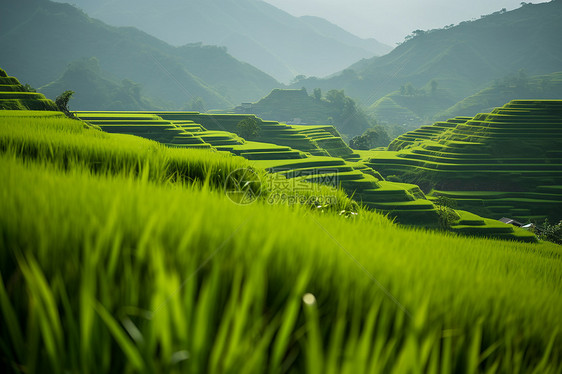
x,y
507,163
14,97
309,154
425,133
120,254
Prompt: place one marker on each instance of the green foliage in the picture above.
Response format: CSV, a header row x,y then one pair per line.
x,y
62,102
3,73
348,117
551,233
446,209
291,105
410,90
317,94
28,88
372,138
249,128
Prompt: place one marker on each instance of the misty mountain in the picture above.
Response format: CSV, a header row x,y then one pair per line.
x,y
328,29
97,90
253,31
39,38
463,59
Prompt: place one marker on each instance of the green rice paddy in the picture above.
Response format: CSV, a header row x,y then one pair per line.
x,y
121,254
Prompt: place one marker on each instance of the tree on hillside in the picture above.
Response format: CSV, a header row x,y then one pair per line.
x,y
348,117
337,98
551,233
28,88
298,78
317,94
372,138
434,86
446,210
410,90
248,128
62,103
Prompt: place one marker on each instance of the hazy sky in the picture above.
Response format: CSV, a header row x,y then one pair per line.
x,y
389,21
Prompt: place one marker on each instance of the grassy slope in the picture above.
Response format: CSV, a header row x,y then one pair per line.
x,y
124,272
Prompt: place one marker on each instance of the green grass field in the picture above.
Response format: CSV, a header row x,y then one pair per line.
x,y
119,254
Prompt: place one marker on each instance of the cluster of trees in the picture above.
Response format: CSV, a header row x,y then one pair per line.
x,y
409,90
519,80
346,115
522,84
550,232
350,118
446,210
372,138
419,32
249,128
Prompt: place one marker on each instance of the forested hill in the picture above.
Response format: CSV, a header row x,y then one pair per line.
x,y
253,31
462,59
39,38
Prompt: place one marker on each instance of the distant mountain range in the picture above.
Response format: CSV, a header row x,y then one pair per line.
x,y
254,31
462,59
413,106
40,38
